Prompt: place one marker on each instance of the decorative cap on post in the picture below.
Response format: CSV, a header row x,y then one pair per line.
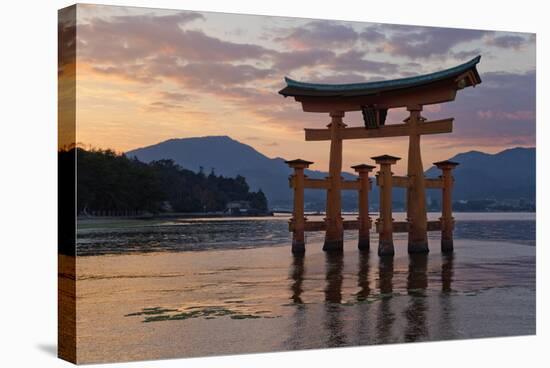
x,y
336,118
298,163
446,164
363,168
386,159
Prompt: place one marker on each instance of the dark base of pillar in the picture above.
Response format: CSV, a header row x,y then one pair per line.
x,y
364,244
447,246
298,247
418,247
333,245
385,248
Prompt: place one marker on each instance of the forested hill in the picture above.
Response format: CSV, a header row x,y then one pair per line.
x,y
108,181
505,176
509,174
230,158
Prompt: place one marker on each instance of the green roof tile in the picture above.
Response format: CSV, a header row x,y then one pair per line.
x,y
296,88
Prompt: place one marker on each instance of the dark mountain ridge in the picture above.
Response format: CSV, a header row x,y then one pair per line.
x,y
230,158
507,175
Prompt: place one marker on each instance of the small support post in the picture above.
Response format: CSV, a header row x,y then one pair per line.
x,y
385,221
298,219
416,193
334,236
447,220
364,218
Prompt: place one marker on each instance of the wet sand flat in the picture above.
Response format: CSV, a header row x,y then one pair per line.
x,y
185,304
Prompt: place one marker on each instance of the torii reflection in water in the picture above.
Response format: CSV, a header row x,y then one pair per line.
x,y
376,309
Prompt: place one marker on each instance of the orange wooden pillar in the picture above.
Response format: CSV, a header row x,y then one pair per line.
x,y
298,221
447,220
416,193
385,221
334,236
364,218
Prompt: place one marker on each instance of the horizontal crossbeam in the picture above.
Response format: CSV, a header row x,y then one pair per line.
x,y
435,183
392,130
397,181
405,182
398,226
400,181
325,183
403,226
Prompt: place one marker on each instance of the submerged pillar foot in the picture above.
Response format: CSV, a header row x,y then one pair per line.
x,y
385,248
364,244
298,247
333,245
418,247
447,246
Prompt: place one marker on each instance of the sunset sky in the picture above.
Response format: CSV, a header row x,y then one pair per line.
x,y
148,75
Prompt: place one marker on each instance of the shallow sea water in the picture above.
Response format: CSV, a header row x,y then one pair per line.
x,y
175,302
138,236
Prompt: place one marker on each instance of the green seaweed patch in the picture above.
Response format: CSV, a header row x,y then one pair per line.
x,y
151,311
202,307
245,316
210,312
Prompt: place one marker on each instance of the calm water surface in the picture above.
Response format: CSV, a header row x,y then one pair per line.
x,y
124,236
144,293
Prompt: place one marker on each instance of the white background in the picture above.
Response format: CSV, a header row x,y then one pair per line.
x,y
28,262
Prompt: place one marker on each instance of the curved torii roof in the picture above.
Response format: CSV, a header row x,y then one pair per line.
x,y
382,92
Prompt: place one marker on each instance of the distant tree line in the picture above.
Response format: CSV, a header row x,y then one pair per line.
x,y
112,182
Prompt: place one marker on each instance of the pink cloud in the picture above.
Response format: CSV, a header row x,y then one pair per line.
x,y
506,115
131,39
425,42
320,34
155,49
515,42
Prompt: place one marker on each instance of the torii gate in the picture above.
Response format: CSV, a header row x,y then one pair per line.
x,y
374,99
